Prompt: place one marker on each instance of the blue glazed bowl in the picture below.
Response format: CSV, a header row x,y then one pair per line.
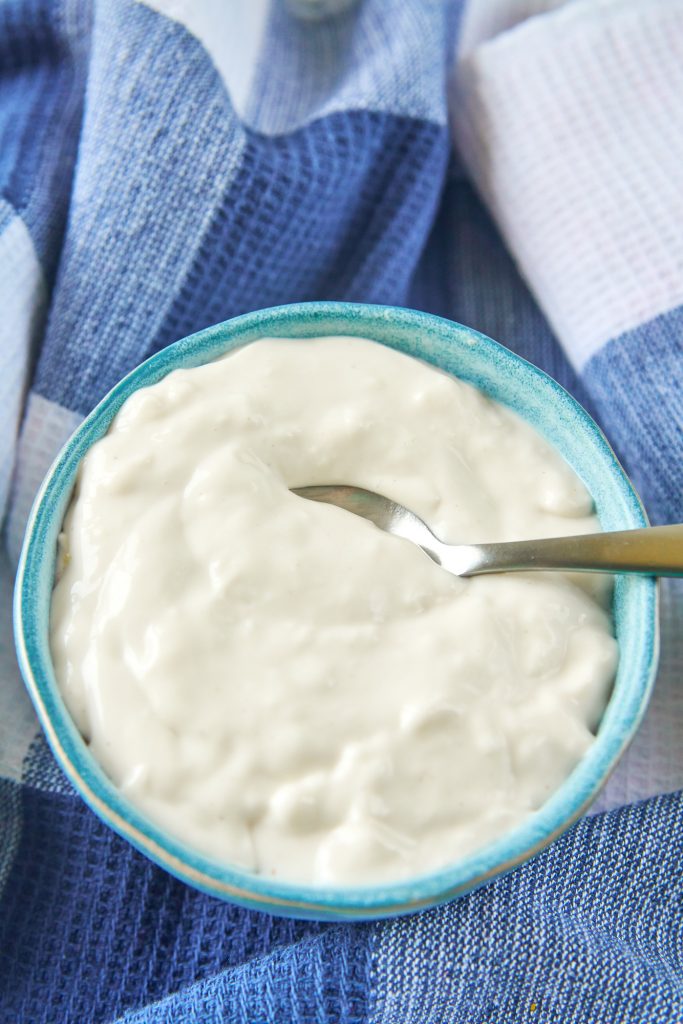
x,y
498,373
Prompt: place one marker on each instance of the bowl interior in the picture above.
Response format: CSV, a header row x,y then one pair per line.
x,y
501,375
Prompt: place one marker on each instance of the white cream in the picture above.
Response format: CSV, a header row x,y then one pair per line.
x,y
278,682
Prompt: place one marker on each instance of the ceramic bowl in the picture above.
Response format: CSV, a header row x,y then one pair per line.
x,y
498,373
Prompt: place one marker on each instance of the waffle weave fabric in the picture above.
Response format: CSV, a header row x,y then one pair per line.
x,y
165,165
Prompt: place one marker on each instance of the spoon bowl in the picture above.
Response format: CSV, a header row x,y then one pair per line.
x,y
649,551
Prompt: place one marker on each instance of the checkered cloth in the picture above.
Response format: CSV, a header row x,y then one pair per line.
x,y
517,166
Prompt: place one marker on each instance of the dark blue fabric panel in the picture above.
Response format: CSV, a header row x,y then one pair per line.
x,y
337,210
310,981
635,382
589,932
90,929
44,47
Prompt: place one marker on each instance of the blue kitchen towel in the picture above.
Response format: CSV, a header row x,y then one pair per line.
x,y
519,167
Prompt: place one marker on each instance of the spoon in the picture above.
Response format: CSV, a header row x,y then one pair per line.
x,y
652,551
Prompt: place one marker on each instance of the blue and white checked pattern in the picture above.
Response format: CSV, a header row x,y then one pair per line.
x,y
167,164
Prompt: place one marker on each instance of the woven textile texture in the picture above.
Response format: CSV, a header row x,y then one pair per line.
x,y
515,166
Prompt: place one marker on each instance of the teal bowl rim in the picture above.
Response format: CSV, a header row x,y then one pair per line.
x,y
499,373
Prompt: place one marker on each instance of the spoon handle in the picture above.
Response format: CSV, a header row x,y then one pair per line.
x,y
654,551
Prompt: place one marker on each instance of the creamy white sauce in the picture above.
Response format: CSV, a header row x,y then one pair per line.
x,y
279,683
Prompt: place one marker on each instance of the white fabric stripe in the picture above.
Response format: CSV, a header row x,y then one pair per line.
x,y
485,19
22,308
571,124
46,428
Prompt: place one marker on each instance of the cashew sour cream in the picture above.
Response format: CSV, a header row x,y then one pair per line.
x,y
280,684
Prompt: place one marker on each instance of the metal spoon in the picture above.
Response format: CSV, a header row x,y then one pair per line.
x,y
653,551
